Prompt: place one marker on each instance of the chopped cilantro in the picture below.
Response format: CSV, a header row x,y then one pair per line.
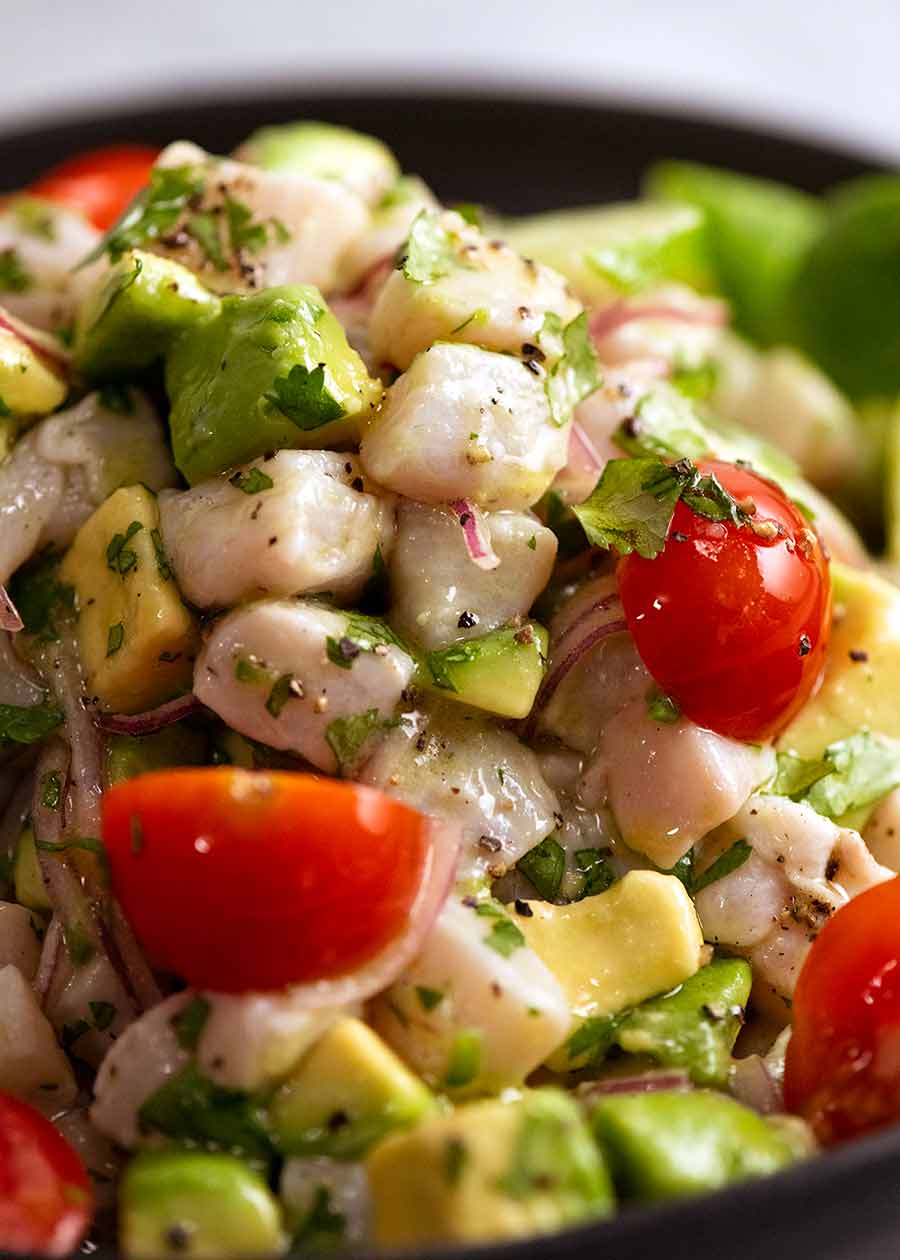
x,y
51,790
163,565
346,736
429,252
204,227
191,1108
103,1014
457,654
27,724
189,1023
42,600
303,396
429,998
247,669
79,945
281,692
73,1032
851,773
35,218
596,873
115,638
661,707
472,213
724,864
576,374
544,867
456,1155
119,558
14,277
532,543
631,506
243,233
153,213
342,652
663,424
464,1061
252,482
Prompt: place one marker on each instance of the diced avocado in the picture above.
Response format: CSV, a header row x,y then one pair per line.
x,y
27,877
348,1092
29,387
758,235
189,1203
612,951
489,1170
500,672
130,755
607,251
136,639
696,1026
269,371
328,152
667,1145
135,311
890,466
845,297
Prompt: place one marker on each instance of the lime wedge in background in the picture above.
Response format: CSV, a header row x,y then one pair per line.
x,y
607,251
758,234
846,295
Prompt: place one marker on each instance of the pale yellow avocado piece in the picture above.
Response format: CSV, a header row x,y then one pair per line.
x,y
29,388
614,950
489,1170
136,638
855,693
347,1093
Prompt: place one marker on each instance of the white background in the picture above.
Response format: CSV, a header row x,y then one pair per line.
x,y
828,68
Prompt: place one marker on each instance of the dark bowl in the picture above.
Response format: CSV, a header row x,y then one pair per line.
x,y
519,154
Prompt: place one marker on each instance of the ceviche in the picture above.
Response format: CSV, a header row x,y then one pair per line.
x,y
449,697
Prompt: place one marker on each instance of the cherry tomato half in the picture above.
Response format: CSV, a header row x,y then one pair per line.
x,y
46,1198
842,1071
239,880
100,184
733,620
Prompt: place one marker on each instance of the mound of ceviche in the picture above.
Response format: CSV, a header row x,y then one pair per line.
x,y
447,702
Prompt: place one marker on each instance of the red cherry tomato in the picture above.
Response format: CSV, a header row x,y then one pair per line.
x,y
239,880
842,1071
99,184
45,1196
733,621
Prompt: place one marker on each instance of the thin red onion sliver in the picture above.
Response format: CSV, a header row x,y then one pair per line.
x,y
554,678
152,720
644,1083
51,952
477,542
9,614
579,438
613,317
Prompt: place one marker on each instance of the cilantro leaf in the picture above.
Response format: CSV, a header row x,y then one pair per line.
x,y
631,506
191,1108
281,692
204,227
243,233
252,482
119,558
576,374
304,397
42,600
663,424
153,213
189,1023
27,724
544,867
346,736
596,872
724,864
429,252
14,276
661,707
852,773
115,638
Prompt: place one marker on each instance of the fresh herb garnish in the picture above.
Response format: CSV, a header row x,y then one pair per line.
x,y
243,233
163,565
544,867
103,1014
281,692
576,374
304,397
51,790
851,773
14,276
464,1061
119,558
594,1037
724,864
504,937
28,724
153,213
115,638
596,873
191,1108
429,998
346,736
663,424
252,482
321,1226
429,252
662,707
189,1023
42,600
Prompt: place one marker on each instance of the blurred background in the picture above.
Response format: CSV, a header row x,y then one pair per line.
x,y
826,69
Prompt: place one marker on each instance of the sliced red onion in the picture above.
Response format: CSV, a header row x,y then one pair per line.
x,y
383,970
477,539
41,343
60,667
596,634
611,318
152,720
51,954
9,614
752,1083
642,1083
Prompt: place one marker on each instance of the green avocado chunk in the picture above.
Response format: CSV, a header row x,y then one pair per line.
x,y
489,1170
180,1203
846,297
347,1093
758,233
135,311
668,1145
499,672
130,755
696,1026
324,151
269,371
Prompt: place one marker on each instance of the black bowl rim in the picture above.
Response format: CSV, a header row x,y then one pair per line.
x,y
864,1173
